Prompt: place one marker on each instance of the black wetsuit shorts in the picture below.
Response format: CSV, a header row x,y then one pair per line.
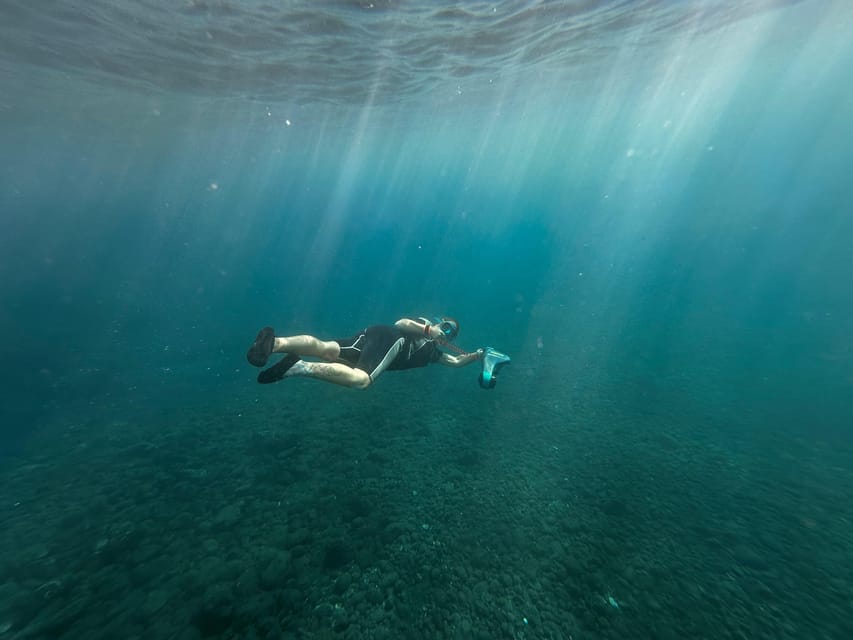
x,y
380,347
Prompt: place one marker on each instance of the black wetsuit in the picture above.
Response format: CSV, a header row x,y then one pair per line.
x,y
380,347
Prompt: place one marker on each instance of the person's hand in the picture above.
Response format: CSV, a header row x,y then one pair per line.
x,y
481,353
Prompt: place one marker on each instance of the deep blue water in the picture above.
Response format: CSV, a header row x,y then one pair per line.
x,y
646,204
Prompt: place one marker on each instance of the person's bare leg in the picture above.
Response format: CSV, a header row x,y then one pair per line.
x,y
297,347
333,372
266,343
307,346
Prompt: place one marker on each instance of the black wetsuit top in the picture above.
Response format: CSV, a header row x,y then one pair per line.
x,y
416,352
368,349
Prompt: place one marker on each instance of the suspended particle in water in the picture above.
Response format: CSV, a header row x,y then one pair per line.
x,y
214,186
287,122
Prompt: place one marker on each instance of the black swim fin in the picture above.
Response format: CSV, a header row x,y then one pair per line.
x,y
261,348
277,371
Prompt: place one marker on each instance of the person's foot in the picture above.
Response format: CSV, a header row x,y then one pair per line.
x,y
261,348
277,371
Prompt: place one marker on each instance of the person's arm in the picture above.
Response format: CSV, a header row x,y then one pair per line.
x,y
462,360
415,328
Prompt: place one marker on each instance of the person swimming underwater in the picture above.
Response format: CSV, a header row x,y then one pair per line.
x,y
358,360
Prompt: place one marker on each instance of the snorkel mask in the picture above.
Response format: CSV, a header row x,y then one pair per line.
x,y
449,327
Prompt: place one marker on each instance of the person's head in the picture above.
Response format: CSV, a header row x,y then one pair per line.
x,y
449,327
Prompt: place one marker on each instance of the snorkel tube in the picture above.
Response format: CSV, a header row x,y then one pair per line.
x,y
493,360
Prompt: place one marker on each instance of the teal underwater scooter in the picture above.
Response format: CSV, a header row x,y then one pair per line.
x,y
493,361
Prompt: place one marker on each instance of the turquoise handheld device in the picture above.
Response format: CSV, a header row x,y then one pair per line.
x,y
493,360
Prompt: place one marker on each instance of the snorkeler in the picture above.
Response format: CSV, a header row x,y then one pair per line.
x,y
358,360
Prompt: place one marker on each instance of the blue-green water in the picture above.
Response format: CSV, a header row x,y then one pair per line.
x,y
645,204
